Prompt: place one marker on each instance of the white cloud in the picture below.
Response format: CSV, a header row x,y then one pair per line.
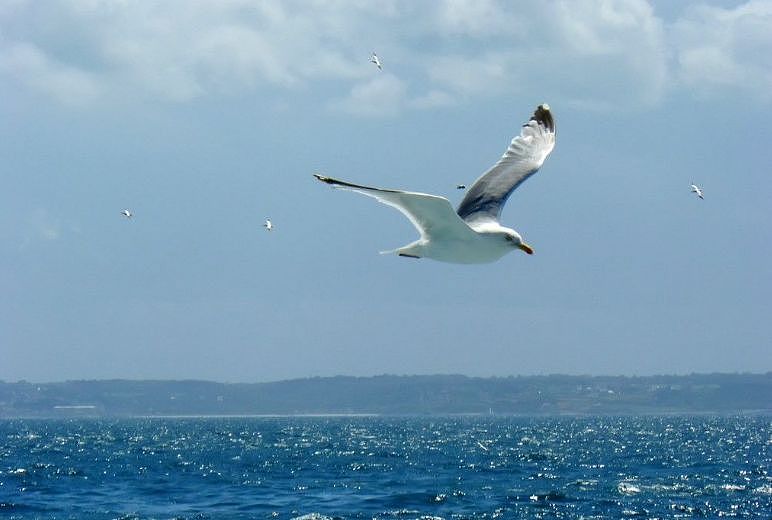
x,y
183,53
480,18
615,51
182,50
384,94
33,68
432,99
590,53
487,73
726,49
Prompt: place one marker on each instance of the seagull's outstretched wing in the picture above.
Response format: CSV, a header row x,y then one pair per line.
x,y
430,214
486,197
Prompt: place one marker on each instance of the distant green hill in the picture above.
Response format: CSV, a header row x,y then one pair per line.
x,y
437,394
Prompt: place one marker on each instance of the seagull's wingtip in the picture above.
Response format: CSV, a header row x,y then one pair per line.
x,y
543,116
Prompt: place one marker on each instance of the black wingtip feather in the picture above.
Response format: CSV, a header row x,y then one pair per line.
x,y
322,178
344,184
543,116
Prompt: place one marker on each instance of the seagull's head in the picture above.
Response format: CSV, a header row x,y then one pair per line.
x,y
514,238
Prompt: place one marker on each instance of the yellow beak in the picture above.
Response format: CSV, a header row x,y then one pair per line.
x,y
525,247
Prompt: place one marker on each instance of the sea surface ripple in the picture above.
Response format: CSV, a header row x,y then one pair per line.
x,y
318,468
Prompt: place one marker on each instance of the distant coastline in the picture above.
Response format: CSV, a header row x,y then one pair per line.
x,y
394,395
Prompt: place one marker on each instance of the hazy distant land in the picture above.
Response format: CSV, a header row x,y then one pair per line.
x,y
395,395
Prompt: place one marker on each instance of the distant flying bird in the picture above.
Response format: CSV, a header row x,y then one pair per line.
x,y
126,213
472,234
461,187
696,189
268,225
375,59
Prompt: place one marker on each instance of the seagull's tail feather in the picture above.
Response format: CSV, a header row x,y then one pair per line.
x,y
411,250
400,251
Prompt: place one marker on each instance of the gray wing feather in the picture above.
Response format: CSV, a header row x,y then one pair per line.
x,y
525,155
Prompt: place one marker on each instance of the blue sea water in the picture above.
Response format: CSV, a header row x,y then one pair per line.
x,y
387,468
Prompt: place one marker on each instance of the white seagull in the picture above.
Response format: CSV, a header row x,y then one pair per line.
x,y
472,234
375,59
696,189
268,225
126,213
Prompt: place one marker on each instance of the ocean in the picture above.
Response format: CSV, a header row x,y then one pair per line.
x,y
315,468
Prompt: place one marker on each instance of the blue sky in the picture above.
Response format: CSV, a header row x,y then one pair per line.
x,y
204,118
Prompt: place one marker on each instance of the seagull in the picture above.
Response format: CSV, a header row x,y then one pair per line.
x,y
126,213
696,189
268,225
472,234
375,59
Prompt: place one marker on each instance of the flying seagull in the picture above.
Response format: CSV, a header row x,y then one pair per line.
x,y
126,213
375,59
268,225
472,234
696,189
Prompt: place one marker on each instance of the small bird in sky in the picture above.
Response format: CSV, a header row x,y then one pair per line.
x,y
126,213
374,59
461,187
268,225
696,189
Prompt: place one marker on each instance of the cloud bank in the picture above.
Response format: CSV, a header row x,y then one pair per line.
x,y
592,53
